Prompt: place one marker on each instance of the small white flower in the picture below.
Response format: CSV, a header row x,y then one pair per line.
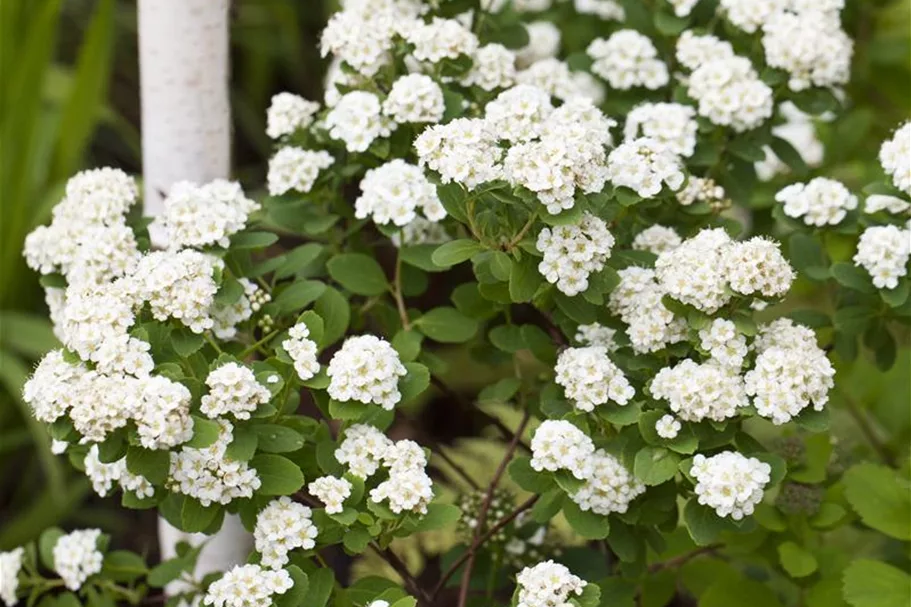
x,y
76,557
366,369
668,427
730,483
283,526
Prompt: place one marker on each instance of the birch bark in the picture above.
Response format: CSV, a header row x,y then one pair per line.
x,y
186,135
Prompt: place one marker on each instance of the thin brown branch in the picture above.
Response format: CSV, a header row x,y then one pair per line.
x,y
679,561
410,582
485,506
438,450
474,547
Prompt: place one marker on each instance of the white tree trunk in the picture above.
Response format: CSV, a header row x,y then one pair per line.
x,y
186,135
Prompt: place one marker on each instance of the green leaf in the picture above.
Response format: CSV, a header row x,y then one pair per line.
x,y
500,265
243,444
524,280
881,498
274,438
455,252
358,273
796,560
576,308
350,410
166,572
294,596
508,338
586,523
314,325
253,240
547,506
279,475
521,472
447,325
205,433
740,591
123,566
356,540
298,258
897,296
152,464
590,597
333,308
408,344
46,543
439,516
500,392
703,523
421,256
789,155
853,319
807,255
299,295
195,517
185,342
876,584
414,382
321,584
852,277
668,24
655,465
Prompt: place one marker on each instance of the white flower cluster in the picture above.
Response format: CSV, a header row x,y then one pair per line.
x,y
608,10
597,335
494,67
225,318
10,564
705,269
408,488
883,202
247,586
363,450
548,584
609,487
331,491
657,239
572,253
701,391
727,88
723,343
205,215
895,158
883,251
233,390
750,16
799,130
671,124
568,155
395,192
730,483
559,445
208,476
668,427
288,113
293,168
819,202
283,526
302,351
76,557
88,240
464,150
644,165
50,390
357,120
364,38
628,59
791,372
421,231
366,369
811,46
589,378
702,189
637,301
178,285
440,39
555,77
103,476
518,113
543,42
414,98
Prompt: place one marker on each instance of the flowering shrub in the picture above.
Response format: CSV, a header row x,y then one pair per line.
x,y
580,224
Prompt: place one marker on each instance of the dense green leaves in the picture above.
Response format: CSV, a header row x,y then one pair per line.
x,y
882,500
874,584
279,475
447,325
358,273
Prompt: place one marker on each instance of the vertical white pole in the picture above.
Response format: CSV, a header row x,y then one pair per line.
x,y
186,135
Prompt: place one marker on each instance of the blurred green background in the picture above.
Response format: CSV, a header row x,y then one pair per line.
x,y
69,100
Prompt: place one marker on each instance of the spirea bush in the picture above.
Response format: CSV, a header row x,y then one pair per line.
x,y
584,227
